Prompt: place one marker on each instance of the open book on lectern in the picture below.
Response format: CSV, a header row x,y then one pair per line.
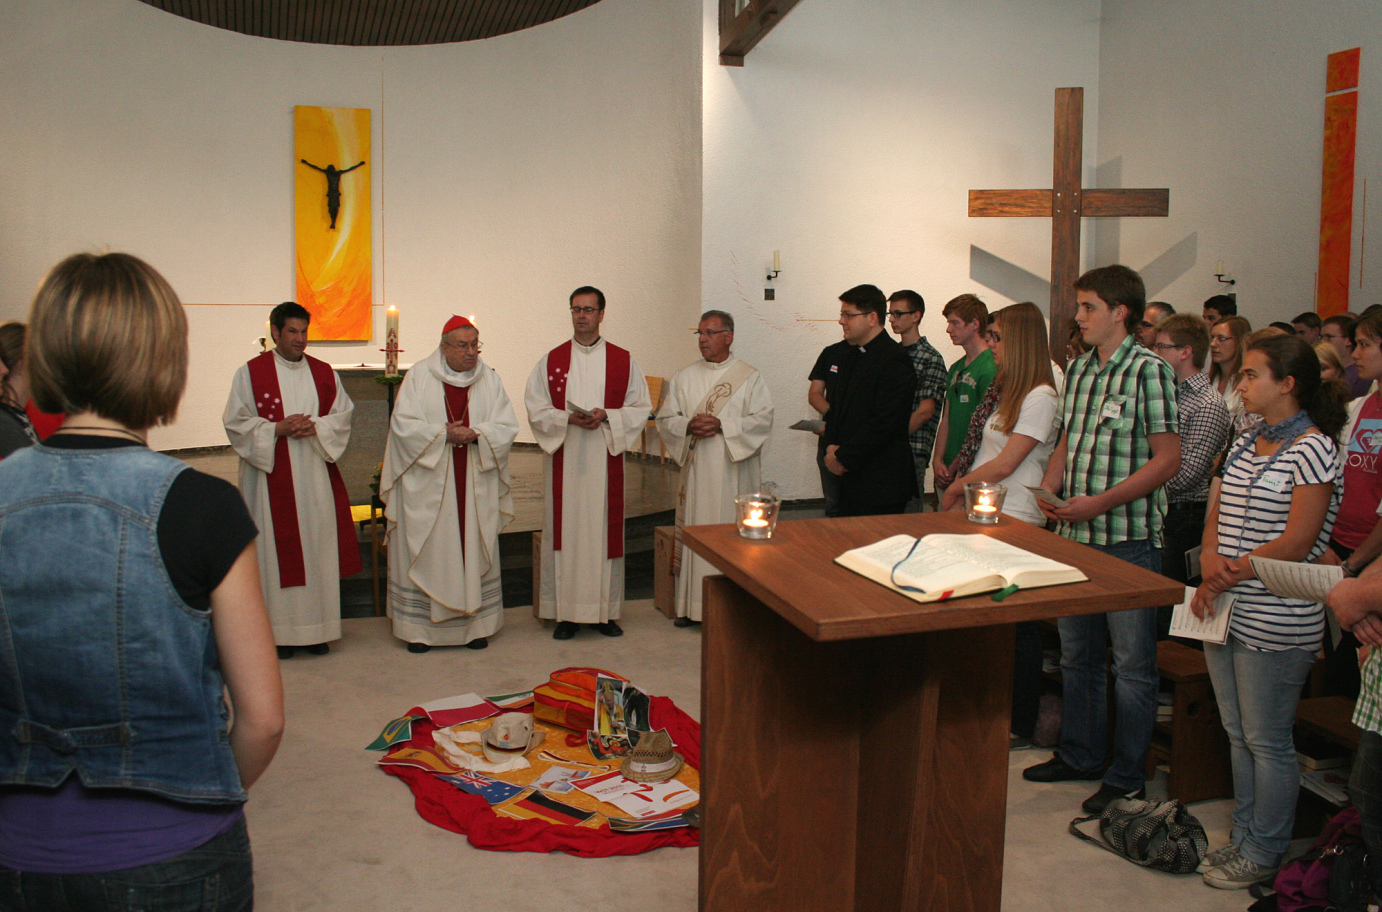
x,y
940,567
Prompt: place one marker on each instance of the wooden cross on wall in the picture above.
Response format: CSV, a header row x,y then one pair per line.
x,y
1065,204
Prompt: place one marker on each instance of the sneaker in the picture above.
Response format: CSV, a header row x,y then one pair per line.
x,y
1101,799
1217,858
1017,742
565,630
1238,874
418,648
478,643
610,629
1057,770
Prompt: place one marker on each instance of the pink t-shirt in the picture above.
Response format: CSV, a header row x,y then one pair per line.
x,y
1362,476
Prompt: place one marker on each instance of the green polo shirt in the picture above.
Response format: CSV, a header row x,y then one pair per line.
x,y
965,386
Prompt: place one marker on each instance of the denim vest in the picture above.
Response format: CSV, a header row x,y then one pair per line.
x,y
104,669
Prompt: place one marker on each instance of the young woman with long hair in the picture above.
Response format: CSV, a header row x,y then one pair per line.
x,y
1226,358
1277,497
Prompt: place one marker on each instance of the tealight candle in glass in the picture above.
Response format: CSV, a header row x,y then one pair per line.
x,y
984,501
757,514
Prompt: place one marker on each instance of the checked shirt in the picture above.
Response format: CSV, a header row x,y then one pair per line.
x,y
931,383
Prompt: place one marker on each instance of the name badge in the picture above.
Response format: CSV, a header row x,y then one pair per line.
x,y
964,397
1113,410
1273,482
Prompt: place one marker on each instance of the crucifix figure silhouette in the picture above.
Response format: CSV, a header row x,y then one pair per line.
x,y
333,187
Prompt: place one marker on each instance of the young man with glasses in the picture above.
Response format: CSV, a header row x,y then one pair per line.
x,y
714,419
905,310
587,403
288,417
1182,341
445,482
866,428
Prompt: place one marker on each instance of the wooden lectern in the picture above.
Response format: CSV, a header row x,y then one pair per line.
x,y
855,742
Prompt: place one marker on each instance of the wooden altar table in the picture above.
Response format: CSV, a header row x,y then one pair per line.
x,y
855,742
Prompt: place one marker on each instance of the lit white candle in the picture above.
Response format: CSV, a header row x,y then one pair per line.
x,y
755,519
391,341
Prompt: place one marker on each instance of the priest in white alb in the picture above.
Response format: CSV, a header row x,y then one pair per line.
x,y
587,403
288,417
445,485
715,417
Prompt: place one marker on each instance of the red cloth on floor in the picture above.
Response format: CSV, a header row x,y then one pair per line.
x,y
451,809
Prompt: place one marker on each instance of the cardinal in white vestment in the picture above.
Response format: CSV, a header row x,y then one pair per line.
x,y
288,417
587,402
445,484
714,420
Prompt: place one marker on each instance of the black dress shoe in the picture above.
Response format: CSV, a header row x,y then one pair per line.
x,y
478,643
418,647
684,622
285,652
565,630
1101,799
320,649
1057,770
610,629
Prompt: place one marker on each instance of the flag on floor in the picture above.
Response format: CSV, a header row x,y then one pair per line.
x,y
420,757
668,821
513,702
488,788
533,805
397,731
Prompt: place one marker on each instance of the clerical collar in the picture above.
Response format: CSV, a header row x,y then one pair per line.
x,y
292,365
718,365
591,346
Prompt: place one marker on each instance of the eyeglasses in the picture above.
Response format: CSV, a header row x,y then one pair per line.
x,y
584,310
463,346
1220,338
899,314
708,333
993,337
846,315
1164,346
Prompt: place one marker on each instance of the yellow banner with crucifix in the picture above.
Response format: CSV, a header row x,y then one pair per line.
x,y
331,164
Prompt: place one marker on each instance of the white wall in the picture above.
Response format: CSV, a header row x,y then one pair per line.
x,y
506,173
1223,102
849,141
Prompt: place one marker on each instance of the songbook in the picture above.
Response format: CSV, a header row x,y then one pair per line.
x,y
940,567
1211,629
1292,580
815,426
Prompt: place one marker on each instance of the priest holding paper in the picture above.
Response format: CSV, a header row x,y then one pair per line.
x,y
288,417
445,484
714,420
587,403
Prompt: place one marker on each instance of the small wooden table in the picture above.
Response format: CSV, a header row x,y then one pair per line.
x,y
855,742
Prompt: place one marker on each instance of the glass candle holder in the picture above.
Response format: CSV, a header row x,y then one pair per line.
x,y
984,502
757,514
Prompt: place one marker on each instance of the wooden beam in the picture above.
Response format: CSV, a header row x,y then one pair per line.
x,y
740,33
1010,203
1127,203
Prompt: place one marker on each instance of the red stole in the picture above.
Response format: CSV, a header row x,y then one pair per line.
x,y
458,409
617,366
268,403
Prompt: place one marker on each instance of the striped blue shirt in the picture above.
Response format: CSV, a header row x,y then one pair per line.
x,y
1253,507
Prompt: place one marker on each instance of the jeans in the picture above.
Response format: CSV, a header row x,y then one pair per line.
x,y
1182,530
1365,788
919,503
1084,702
1026,679
214,877
1257,694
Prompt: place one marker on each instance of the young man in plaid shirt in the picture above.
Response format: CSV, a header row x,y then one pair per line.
x,y
1118,448
905,310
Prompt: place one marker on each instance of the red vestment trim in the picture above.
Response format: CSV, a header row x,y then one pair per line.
x,y
617,367
268,403
458,409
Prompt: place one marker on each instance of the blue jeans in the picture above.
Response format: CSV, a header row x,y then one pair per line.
x,y
214,877
1257,694
1084,701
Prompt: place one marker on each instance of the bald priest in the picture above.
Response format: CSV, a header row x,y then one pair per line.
x,y
445,484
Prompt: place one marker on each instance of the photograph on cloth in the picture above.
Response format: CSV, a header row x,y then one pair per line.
x,y
609,706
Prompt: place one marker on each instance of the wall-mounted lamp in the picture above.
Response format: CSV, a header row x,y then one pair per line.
x,y
1220,274
777,265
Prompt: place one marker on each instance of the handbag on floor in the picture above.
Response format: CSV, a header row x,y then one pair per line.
x,y
1153,834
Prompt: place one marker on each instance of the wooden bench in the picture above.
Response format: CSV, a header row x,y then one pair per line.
x,y
1192,742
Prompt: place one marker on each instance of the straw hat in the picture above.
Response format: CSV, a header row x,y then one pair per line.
x,y
653,760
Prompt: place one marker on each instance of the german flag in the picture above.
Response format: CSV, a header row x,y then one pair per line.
x,y
534,805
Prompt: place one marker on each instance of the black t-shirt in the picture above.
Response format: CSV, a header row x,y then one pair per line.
x,y
203,527
832,364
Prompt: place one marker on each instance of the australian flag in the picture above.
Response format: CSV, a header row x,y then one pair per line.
x,y
490,789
